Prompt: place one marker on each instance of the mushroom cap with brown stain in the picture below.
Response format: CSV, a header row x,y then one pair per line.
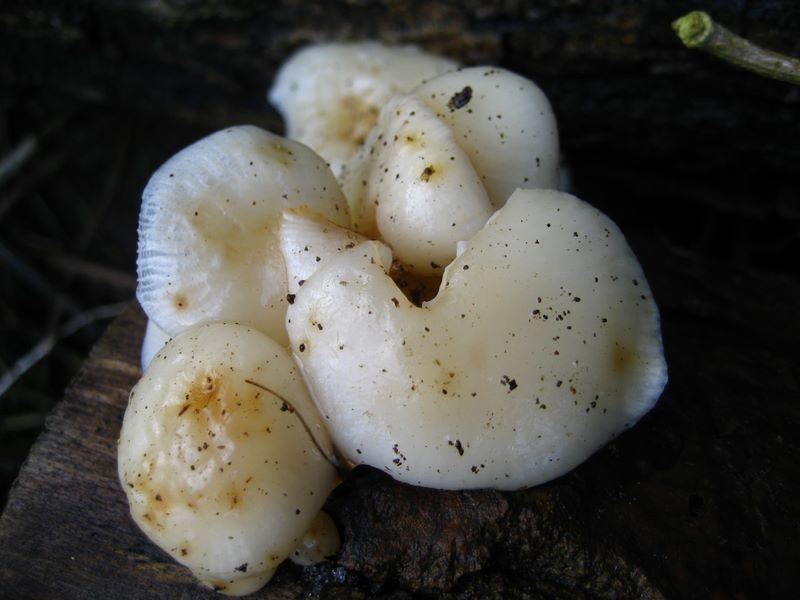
x,y
208,229
217,458
330,94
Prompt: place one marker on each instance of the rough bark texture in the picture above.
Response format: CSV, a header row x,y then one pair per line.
x,y
696,501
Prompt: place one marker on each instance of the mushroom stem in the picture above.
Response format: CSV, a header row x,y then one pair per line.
x,y
332,459
697,30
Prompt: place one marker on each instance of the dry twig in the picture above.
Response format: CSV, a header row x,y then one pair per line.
x,y
16,159
46,344
698,30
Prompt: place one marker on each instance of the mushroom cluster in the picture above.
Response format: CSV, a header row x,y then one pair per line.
x,y
432,307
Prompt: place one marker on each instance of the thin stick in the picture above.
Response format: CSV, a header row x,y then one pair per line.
x,y
22,422
16,159
111,186
40,171
34,279
699,31
288,406
95,272
46,344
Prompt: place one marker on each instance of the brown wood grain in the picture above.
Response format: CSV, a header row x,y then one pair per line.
x,y
66,530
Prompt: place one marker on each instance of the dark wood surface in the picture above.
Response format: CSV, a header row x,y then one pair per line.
x,y
614,69
709,149
698,500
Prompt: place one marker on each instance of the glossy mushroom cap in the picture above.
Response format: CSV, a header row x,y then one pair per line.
x,y
154,339
505,124
542,345
208,229
440,160
330,94
223,455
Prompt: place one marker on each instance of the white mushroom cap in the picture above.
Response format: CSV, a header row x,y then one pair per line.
x,y
440,161
308,242
504,123
413,186
320,542
542,345
208,247
154,339
216,455
330,94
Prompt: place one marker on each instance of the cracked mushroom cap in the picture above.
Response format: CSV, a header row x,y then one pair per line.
x,y
542,345
217,457
208,229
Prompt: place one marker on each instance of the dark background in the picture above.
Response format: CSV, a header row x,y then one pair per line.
x,y
697,161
